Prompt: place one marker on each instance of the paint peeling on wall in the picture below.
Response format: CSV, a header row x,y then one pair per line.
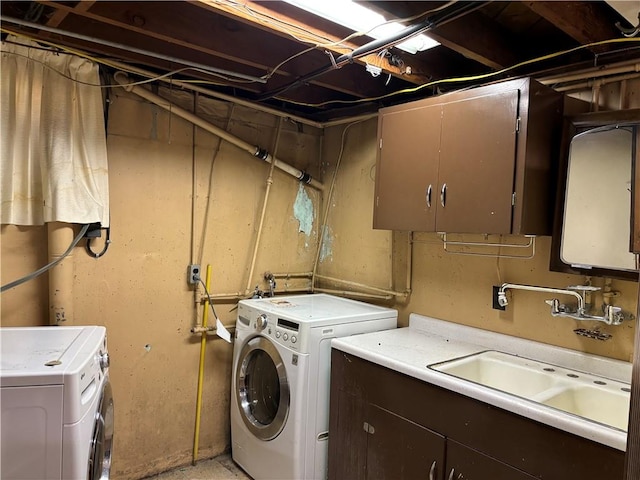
x,y
326,250
303,210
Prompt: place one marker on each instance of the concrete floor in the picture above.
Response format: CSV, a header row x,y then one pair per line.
x,y
218,468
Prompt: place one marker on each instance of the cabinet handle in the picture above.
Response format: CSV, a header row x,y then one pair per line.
x,y
452,473
429,196
443,194
432,471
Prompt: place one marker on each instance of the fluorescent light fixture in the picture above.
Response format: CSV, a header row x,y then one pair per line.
x,y
361,19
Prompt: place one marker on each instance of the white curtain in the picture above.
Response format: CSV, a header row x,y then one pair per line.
x,y
53,154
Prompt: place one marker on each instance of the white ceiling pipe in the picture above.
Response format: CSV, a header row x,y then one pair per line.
x,y
212,93
593,72
597,82
122,79
236,100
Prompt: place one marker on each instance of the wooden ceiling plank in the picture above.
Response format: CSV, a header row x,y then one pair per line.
x,y
586,22
312,94
60,14
474,35
258,14
355,84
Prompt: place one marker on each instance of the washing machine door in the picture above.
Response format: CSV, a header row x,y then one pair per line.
x,y
262,388
102,440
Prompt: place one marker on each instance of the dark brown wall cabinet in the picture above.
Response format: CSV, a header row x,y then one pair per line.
x,y
476,161
387,426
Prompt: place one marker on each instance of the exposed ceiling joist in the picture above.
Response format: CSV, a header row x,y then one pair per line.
x,y
239,48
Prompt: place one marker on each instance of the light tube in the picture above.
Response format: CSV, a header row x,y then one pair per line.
x,y
359,18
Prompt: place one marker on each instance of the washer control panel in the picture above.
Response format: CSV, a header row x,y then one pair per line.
x,y
285,332
281,330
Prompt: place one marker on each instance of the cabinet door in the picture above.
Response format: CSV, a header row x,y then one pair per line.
x,y
398,449
347,438
407,169
477,164
463,463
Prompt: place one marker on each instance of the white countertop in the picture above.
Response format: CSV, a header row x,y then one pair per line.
x,y
428,340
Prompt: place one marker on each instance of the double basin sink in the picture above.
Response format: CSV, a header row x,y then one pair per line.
x,y
595,398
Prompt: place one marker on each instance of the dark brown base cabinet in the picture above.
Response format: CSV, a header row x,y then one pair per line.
x,y
385,425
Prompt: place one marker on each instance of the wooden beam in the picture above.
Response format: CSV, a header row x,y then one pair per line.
x,y
60,14
478,38
226,41
586,22
474,35
260,15
313,94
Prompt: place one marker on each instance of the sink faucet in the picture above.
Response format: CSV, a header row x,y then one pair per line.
x,y
611,315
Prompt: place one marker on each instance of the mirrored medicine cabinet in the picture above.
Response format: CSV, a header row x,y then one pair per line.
x,y
594,229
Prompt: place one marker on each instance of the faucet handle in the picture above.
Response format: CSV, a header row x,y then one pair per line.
x,y
555,305
613,315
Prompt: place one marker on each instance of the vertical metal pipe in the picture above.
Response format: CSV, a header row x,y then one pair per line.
x,y
203,346
269,182
60,236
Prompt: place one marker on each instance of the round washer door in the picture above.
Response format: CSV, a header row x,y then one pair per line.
x,y
102,440
262,388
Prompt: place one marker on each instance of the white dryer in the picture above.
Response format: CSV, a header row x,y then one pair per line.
x,y
280,380
56,403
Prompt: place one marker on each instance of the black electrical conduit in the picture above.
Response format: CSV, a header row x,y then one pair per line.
x,y
376,45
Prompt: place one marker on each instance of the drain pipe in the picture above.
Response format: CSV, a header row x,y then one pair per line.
x,y
60,235
262,154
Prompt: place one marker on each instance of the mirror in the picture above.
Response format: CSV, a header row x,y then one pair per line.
x,y
595,199
597,210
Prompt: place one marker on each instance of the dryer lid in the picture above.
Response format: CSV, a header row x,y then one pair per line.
x,y
44,355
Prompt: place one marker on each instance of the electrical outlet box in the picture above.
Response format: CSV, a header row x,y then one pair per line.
x,y
495,304
193,274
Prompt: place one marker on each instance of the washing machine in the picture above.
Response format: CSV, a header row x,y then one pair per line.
x,y
56,403
280,380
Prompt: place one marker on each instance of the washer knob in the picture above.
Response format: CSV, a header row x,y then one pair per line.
x,y
103,361
261,322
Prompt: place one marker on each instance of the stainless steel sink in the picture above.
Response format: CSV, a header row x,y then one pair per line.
x,y
588,396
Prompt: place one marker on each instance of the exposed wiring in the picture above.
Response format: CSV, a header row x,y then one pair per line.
x,y
54,49
225,74
107,242
210,300
461,79
330,102
629,32
268,19
50,265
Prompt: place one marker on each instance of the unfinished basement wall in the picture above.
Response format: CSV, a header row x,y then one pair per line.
x,y
139,288
458,288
